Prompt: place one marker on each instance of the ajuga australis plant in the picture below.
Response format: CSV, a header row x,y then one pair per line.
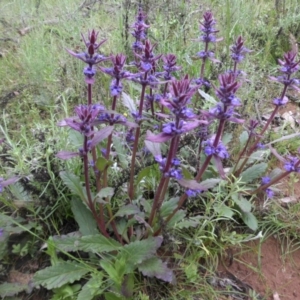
x,y
118,223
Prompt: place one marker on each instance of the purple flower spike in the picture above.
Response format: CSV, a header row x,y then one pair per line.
x,y
207,27
289,64
238,50
227,89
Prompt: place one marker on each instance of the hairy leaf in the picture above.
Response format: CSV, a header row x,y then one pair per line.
x,y
187,223
101,135
121,152
11,289
254,172
242,203
127,210
84,217
250,220
67,244
243,138
143,173
60,274
169,206
105,192
66,154
154,148
73,183
92,288
139,251
154,267
203,186
128,102
179,216
98,243
224,211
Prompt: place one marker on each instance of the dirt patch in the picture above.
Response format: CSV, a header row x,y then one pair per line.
x,y
267,268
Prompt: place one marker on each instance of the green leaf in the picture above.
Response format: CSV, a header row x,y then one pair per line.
x,y
250,220
127,210
253,172
11,289
112,272
186,173
105,192
139,251
127,287
73,183
143,173
242,203
122,155
243,138
208,98
223,210
92,288
98,243
187,223
154,267
75,138
113,296
227,137
103,163
169,206
179,216
60,274
84,217
258,156
67,244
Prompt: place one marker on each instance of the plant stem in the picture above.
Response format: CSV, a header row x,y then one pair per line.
x,y
98,217
136,143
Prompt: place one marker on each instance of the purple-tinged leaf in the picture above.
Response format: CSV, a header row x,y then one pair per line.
x,y
101,135
129,102
154,267
66,154
218,162
9,181
158,138
190,184
209,183
142,221
203,186
154,148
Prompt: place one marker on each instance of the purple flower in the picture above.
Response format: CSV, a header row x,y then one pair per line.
x,y
147,57
193,193
174,173
292,164
169,66
207,27
90,57
289,64
238,50
1,232
219,151
270,193
281,101
226,91
265,180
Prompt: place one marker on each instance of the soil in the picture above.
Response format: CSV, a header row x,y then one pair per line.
x,y
267,268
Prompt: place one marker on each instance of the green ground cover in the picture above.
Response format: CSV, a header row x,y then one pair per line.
x,y
41,84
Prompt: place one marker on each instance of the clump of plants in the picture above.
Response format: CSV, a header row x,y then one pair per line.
x,y
135,178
